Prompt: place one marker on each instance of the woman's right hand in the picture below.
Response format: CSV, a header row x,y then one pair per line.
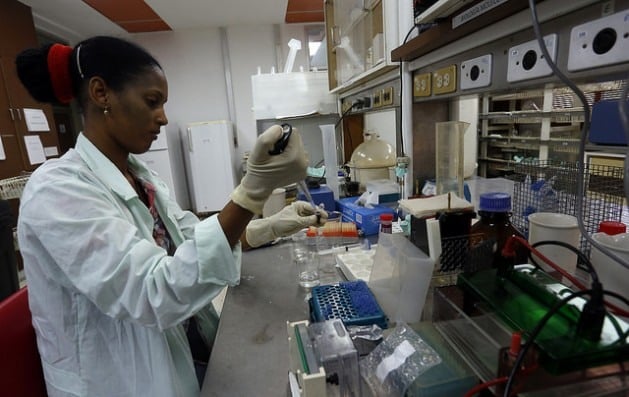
x,y
266,172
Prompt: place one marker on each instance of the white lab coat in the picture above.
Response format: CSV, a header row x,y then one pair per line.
x,y
107,302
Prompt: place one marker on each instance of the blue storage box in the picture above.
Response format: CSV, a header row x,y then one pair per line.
x,y
606,127
351,301
366,219
322,194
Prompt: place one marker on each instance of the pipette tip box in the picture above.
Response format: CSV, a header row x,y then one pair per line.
x,y
350,301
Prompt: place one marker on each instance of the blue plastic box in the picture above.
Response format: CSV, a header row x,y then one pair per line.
x,y
322,194
351,301
366,219
606,127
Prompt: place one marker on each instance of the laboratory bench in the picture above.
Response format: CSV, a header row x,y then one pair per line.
x,y
250,353
250,356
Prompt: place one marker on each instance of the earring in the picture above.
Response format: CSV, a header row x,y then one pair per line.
x,y
106,111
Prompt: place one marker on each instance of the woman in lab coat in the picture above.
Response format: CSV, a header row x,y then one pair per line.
x,y
114,266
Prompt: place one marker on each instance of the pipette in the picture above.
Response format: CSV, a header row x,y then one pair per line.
x,y
304,189
278,148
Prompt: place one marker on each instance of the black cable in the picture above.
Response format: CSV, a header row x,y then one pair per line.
x,y
402,94
584,135
582,257
349,109
540,325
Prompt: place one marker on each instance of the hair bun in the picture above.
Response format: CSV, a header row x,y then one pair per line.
x,y
59,69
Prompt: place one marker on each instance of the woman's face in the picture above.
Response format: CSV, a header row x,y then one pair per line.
x,y
137,112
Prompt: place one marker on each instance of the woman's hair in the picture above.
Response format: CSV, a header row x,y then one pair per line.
x,y
56,73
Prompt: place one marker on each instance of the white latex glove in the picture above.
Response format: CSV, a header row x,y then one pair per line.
x,y
266,172
289,220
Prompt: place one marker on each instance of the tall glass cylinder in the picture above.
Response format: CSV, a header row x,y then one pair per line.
x,y
449,165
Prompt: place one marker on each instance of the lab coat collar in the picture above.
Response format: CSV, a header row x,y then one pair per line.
x,y
104,168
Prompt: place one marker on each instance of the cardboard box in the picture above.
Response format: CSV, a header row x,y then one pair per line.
x,y
366,219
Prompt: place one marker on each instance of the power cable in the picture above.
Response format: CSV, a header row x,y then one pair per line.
x,y
584,134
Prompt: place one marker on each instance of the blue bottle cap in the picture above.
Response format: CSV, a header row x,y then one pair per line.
x,y
495,202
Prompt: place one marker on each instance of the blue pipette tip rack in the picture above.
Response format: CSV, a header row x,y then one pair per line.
x,y
351,301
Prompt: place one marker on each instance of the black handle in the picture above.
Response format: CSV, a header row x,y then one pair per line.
x,y
281,143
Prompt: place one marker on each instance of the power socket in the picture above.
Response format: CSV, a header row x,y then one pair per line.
x,y
444,80
476,72
526,60
602,42
421,85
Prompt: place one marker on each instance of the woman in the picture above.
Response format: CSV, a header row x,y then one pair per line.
x,y
114,266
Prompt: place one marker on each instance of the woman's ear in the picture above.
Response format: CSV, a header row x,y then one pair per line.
x,y
97,91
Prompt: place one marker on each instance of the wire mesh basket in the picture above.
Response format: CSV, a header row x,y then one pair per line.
x,y
551,186
11,188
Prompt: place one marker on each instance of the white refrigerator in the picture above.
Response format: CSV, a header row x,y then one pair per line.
x,y
158,159
209,158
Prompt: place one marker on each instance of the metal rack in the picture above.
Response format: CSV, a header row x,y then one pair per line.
x,y
11,188
551,186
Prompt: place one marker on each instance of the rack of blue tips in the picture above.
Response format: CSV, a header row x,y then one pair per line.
x,y
352,302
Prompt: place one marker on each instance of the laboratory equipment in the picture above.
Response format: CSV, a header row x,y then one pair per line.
x,y
386,223
603,185
449,168
609,271
373,159
351,302
320,351
561,349
494,227
209,157
306,259
548,226
367,219
294,45
400,278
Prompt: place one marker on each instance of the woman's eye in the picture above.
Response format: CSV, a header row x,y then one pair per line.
x,y
152,102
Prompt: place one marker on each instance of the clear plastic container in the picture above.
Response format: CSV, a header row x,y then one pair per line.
x,y
400,278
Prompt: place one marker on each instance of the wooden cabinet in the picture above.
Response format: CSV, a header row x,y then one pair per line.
x,y
360,36
17,32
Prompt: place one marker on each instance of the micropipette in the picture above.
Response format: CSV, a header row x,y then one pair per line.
x,y
278,148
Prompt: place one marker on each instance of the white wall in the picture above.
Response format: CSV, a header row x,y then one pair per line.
x,y
194,67
193,63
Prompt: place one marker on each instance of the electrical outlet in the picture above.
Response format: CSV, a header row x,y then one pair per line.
x,y
346,106
387,96
444,80
476,72
601,42
377,98
526,60
421,85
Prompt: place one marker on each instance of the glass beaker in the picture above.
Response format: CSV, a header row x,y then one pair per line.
x,y
449,157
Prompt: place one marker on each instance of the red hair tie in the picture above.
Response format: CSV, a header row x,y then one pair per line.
x,y
59,69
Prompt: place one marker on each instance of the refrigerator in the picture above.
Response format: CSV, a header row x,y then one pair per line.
x,y
209,158
157,158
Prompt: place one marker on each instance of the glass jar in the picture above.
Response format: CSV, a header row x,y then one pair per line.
x,y
494,226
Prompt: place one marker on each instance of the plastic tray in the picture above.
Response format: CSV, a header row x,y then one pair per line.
x,y
352,302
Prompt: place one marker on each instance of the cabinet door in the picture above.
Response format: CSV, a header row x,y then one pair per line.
x,y
17,30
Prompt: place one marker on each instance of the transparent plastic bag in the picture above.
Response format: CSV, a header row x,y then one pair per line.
x,y
396,362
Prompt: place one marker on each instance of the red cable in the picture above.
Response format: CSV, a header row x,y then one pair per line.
x,y
485,385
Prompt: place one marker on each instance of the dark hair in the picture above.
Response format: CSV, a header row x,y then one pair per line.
x,y
115,60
